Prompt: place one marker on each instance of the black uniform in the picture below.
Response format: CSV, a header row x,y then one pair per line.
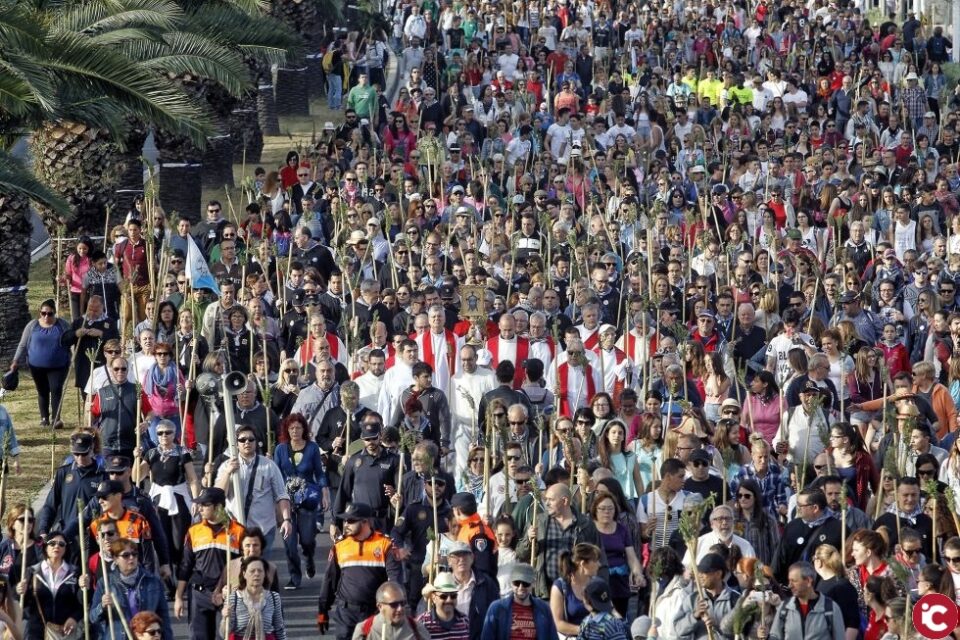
x,y
355,571
800,542
411,533
59,511
364,477
332,427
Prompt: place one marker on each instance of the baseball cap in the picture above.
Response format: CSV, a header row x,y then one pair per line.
x,y
108,488
597,593
212,495
81,443
117,464
710,563
356,511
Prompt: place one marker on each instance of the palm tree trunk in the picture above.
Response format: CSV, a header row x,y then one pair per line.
x,y
15,231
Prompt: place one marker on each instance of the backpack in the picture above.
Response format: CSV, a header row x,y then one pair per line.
x,y
827,612
327,61
367,626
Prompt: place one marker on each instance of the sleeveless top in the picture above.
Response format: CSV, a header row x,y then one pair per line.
x,y
573,608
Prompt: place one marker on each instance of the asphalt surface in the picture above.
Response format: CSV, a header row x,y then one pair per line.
x,y
300,606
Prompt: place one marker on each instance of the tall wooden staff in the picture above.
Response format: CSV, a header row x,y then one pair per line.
x,y
83,570
106,589
436,529
24,542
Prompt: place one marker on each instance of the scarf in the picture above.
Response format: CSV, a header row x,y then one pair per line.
x,y
254,630
162,382
129,586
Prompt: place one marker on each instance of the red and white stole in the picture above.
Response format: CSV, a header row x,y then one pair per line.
x,y
563,373
593,340
334,343
523,352
428,355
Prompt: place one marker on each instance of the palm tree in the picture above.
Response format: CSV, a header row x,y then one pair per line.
x,y
18,187
76,95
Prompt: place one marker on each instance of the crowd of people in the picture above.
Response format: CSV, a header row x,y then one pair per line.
x,y
615,321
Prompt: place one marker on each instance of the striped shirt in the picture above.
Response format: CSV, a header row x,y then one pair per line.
x,y
456,629
271,613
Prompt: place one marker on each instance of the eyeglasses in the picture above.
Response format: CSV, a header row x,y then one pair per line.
x,y
303,175
164,433
952,559
126,555
701,463
745,496
155,633
118,369
398,604
512,458
521,583
910,552
57,543
112,352
46,314
246,440
925,472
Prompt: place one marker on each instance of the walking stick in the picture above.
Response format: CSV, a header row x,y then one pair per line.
x,y
83,571
106,589
23,563
436,530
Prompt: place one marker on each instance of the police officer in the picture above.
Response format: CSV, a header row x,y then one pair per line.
x,y
475,533
203,564
410,536
369,476
75,480
118,468
359,563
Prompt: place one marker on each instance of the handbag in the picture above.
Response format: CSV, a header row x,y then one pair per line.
x,y
304,495
51,630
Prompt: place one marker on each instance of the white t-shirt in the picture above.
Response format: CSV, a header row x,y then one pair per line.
x,y
558,135
779,348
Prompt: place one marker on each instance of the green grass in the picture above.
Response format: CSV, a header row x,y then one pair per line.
x,y
38,444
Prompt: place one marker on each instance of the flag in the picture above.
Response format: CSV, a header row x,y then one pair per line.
x,y
197,270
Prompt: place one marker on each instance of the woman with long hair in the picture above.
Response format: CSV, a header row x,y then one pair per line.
x,y
613,455
583,421
75,267
298,457
716,384
284,392
852,461
754,523
602,406
648,446
828,564
877,592
730,455
567,595
762,410
626,572
758,588
869,552
937,509
841,365
866,384
19,517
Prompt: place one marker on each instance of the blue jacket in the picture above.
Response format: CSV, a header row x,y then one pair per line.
x,y
499,620
149,596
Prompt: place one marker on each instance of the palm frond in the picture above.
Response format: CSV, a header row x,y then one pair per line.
x,y
188,53
103,16
254,35
105,73
17,180
121,37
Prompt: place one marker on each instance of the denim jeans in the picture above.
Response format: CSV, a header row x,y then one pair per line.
x,y
334,90
304,535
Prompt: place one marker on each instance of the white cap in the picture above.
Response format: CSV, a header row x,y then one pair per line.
x,y
328,126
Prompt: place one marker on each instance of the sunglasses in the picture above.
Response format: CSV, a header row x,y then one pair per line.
x,y
397,604
126,555
46,314
745,496
446,596
57,543
521,583
164,433
246,440
118,369
112,352
153,633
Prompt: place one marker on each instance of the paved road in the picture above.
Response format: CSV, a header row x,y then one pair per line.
x,y
300,606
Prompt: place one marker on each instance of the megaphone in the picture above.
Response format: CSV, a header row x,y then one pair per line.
x,y
235,383
207,384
